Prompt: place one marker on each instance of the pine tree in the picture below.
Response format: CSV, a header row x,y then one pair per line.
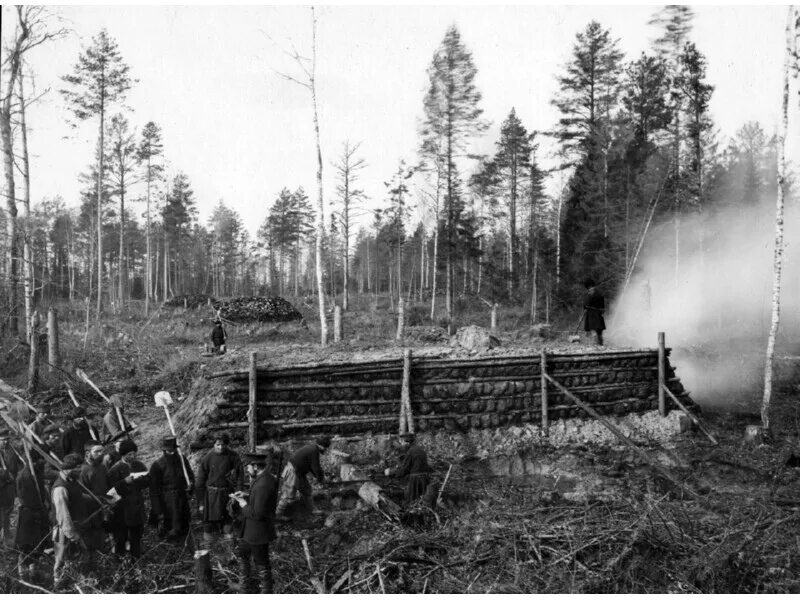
x,y
179,214
452,117
149,151
99,79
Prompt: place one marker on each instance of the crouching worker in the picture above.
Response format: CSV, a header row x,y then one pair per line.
x,y
415,465
294,479
71,509
258,526
218,337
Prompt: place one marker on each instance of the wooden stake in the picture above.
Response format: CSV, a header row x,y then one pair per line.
x,y
405,391
694,419
33,358
662,374
53,355
494,316
202,572
401,316
543,369
252,410
444,483
337,323
592,412
318,585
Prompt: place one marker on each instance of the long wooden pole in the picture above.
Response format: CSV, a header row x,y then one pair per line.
x,y
405,392
180,454
694,419
613,429
662,374
53,355
543,370
252,409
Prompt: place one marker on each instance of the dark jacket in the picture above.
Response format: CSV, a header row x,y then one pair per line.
x,y
95,478
73,440
258,523
130,510
111,428
595,306
218,335
10,466
168,496
306,460
218,476
33,524
415,461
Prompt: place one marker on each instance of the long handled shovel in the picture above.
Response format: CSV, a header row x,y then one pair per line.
x,y
88,424
164,399
122,425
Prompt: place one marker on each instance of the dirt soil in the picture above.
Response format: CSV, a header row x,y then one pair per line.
x,y
518,514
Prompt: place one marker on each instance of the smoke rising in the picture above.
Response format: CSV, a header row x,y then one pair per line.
x,y
716,314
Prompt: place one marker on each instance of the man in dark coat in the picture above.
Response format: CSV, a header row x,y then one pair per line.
x,y
218,338
294,477
129,477
10,466
70,509
169,499
94,476
415,466
258,525
41,421
33,523
220,474
112,430
594,307
77,434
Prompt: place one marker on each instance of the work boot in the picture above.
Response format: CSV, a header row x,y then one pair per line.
x,y
265,580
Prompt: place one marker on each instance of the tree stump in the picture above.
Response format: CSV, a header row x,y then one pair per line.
x,y
202,572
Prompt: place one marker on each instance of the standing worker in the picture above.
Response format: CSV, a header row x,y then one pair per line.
x,y
128,518
294,478
70,509
111,427
33,523
218,337
10,466
169,492
415,465
220,474
594,307
258,525
94,476
76,434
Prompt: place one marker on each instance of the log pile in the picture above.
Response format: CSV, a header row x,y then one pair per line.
x,y
257,308
450,394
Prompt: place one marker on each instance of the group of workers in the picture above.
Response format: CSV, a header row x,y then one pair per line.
x,y
75,493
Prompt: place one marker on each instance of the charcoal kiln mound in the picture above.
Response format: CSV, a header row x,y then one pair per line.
x,y
453,395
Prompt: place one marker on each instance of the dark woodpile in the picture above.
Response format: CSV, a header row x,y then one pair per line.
x,y
456,395
257,308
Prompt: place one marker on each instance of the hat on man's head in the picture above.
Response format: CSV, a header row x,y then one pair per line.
x,y
408,437
222,437
78,412
255,458
324,441
127,445
169,443
71,461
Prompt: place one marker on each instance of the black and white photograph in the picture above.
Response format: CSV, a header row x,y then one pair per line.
x,y
400,299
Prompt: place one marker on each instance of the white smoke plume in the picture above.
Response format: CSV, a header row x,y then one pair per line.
x,y
717,314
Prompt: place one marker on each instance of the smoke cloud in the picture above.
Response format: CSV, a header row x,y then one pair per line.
x,y
716,313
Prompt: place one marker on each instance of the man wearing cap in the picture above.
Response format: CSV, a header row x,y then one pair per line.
x,y
94,476
258,525
218,337
41,421
220,473
77,434
127,517
10,465
594,307
169,500
33,524
111,427
70,508
294,477
415,465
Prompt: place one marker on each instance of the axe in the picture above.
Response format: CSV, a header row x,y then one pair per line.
x,y
88,424
164,399
85,377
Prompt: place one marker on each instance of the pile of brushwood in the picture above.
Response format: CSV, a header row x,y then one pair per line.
x,y
189,301
257,308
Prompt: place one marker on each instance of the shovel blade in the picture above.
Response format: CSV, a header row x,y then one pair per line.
x,y
163,398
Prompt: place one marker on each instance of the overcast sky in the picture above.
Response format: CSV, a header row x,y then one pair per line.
x,y
207,76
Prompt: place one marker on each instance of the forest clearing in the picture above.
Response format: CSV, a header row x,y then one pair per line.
x,y
532,334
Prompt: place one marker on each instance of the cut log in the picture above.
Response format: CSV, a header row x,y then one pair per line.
x,y
372,494
202,572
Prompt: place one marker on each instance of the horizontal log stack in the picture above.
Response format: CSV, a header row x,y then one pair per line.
x,y
451,394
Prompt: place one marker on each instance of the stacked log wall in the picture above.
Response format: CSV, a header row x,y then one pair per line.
x,y
353,399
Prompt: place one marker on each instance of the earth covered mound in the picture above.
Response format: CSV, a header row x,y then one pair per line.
x,y
257,308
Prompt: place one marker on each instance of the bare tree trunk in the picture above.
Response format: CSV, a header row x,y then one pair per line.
x,y
100,172
148,286
122,274
27,254
778,254
33,359
323,325
12,257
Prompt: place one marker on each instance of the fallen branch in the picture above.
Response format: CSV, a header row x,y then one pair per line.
x,y
694,419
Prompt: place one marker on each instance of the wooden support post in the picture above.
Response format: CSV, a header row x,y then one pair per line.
x,y
337,323
545,415
662,374
33,358
252,412
494,317
202,572
401,317
185,303
405,393
53,355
